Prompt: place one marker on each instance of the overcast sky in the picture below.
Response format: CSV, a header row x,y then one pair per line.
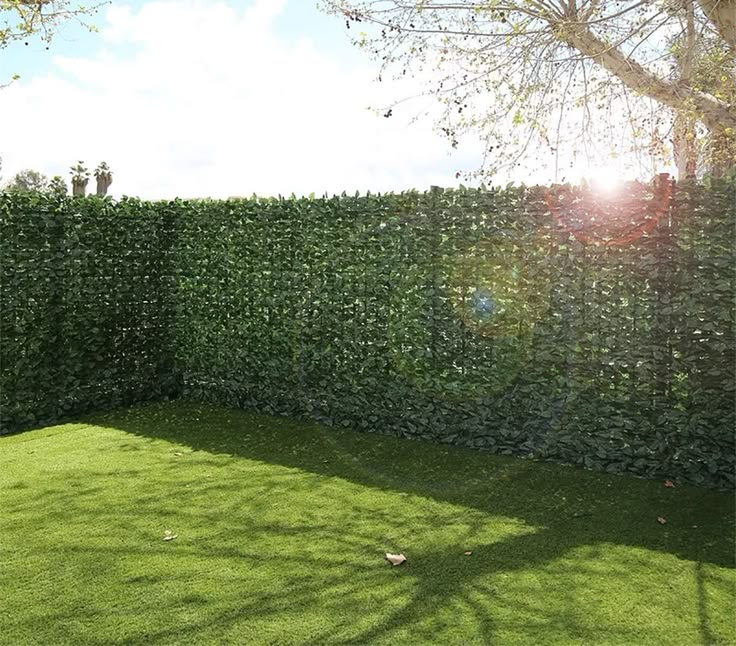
x,y
196,98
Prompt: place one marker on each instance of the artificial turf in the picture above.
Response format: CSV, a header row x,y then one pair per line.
x,y
281,528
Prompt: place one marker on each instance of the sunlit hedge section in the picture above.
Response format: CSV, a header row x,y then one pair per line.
x,y
85,313
471,317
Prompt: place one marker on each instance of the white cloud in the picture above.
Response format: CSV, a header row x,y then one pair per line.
x,y
195,98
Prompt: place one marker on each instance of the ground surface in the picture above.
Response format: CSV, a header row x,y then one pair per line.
x,y
281,529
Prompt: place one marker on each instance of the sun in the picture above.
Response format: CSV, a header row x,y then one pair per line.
x,y
606,179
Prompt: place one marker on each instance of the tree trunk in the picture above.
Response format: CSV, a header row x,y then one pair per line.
x,y
684,126
103,183
79,187
722,13
684,147
717,115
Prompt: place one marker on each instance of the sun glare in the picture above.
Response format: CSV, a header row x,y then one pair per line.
x,y
606,179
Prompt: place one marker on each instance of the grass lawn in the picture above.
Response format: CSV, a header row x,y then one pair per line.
x,y
282,526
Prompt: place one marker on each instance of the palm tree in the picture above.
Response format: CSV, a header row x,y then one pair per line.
x,y
103,175
80,178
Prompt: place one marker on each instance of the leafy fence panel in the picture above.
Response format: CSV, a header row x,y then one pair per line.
x,y
86,310
471,317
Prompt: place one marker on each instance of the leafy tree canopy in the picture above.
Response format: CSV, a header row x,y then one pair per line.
x,y
28,181
586,77
57,186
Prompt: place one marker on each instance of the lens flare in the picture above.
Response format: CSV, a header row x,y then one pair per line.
x,y
606,179
495,287
473,337
483,304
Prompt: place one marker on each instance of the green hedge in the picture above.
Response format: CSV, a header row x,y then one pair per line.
x,y
86,306
471,317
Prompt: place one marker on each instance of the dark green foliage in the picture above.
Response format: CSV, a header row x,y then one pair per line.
x,y
462,316
85,321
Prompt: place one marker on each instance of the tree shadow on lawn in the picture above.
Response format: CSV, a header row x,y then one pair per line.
x,y
556,510
568,502
216,583
569,507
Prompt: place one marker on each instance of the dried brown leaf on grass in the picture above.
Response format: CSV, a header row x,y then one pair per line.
x,y
395,559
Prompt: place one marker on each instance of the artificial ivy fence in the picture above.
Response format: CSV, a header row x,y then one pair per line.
x,y
85,306
473,317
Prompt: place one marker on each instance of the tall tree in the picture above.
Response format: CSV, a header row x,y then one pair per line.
x,y
103,177
626,76
80,179
707,62
27,181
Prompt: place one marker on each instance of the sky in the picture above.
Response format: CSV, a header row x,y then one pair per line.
x,y
215,98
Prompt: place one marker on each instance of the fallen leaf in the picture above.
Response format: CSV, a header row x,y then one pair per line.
x,y
395,559
468,553
669,484
661,520
169,535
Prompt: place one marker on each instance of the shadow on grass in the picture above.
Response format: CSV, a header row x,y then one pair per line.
x,y
215,576
558,510
575,506
571,507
